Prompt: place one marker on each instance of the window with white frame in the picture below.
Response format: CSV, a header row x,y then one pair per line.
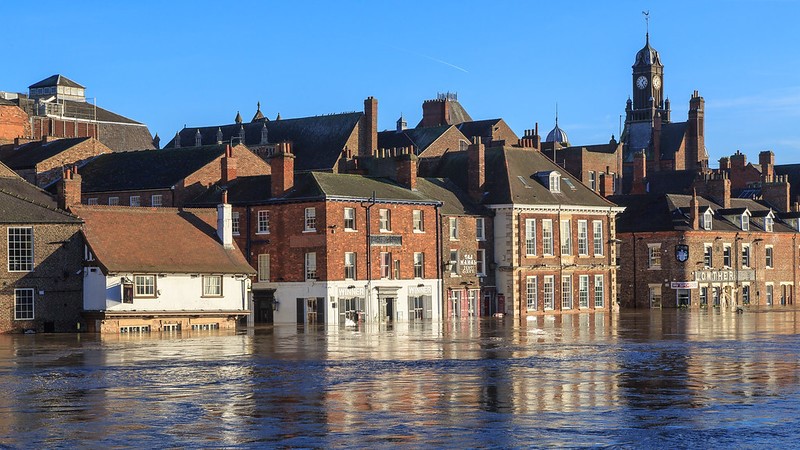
x,y
263,267
708,252
583,291
350,265
386,264
566,237
23,304
453,262
91,201
655,296
453,228
549,292
385,220
310,219
547,237
768,257
726,255
480,264
744,222
135,200
599,293
418,219
235,229
566,292
530,237
113,201
212,286
20,249
531,293
768,223
419,265
311,266
262,222
745,255
654,256
583,237
555,182
770,293
745,294
480,229
592,181
156,200
144,285
706,220
597,237
349,219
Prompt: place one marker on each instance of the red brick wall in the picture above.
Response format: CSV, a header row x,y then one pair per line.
x,y
450,140
13,123
49,170
167,198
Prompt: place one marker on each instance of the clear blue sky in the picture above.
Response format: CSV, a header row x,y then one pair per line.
x,y
171,63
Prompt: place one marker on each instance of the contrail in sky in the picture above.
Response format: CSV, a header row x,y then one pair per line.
x,y
434,59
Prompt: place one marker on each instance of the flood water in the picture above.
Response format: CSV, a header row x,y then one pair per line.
x,y
671,379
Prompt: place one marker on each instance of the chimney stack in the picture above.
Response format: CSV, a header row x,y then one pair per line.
x,y
767,161
776,193
639,173
718,187
694,212
406,163
370,132
69,189
282,168
228,162
476,169
225,222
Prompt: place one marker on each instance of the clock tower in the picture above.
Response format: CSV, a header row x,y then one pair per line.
x,y
648,86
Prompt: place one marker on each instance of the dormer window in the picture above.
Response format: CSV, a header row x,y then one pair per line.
x,y
555,182
705,220
744,222
768,221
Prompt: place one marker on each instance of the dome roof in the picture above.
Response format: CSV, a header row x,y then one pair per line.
x,y
557,135
647,55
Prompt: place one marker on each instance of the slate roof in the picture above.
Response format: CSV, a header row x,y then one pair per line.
x,y
478,128
419,138
28,155
56,80
317,142
241,191
510,178
672,136
145,169
669,181
133,240
333,185
24,203
670,212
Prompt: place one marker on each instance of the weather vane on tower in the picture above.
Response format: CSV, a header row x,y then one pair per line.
x,y
647,20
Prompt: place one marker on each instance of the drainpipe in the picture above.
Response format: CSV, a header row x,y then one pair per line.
x,y
368,294
439,272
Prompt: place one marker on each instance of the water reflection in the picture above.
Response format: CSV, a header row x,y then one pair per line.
x,y
666,379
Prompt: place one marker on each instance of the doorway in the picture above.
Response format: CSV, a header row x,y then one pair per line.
x,y
263,306
388,309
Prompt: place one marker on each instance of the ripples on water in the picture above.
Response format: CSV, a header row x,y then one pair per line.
x,y
671,379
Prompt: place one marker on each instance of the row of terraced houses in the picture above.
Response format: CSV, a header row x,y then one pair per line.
x,y
327,220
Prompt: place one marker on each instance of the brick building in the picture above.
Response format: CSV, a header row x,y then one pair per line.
x,y
13,123
40,279
427,142
551,234
337,249
42,162
166,177
57,107
706,249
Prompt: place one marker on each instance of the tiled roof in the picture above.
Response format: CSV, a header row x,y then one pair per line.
x,y
510,178
670,212
241,191
420,138
134,240
28,155
24,203
56,80
145,169
317,142
327,185
455,201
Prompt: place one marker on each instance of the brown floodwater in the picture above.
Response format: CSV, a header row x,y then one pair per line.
x,y
660,379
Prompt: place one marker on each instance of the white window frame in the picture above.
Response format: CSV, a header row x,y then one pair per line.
x,y
566,292
384,220
769,298
310,219
583,291
547,237
350,266
212,285
654,256
418,220
530,237
565,235
745,255
549,292
453,262
744,222
311,266
453,221
29,311
480,229
597,237
386,265
583,238
769,257
707,219
92,201
349,219
768,224
726,256
532,293
592,180
419,265
235,223
135,200
599,291
156,200
262,222
480,262
113,201
144,286
708,255
555,182
20,245
654,293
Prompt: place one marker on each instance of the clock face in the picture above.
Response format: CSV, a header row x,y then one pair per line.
x,y
657,82
641,82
